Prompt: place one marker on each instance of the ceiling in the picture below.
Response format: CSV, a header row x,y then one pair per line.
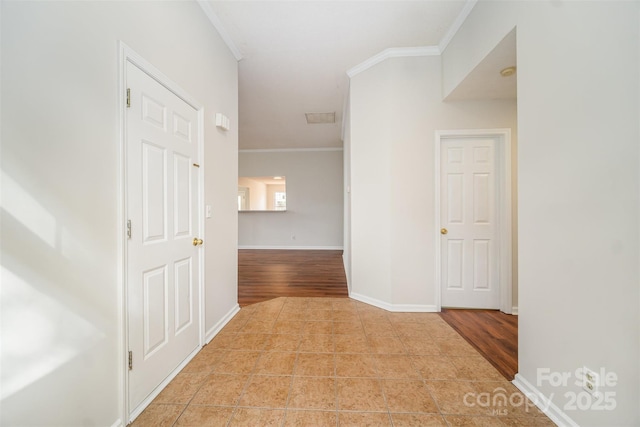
x,y
267,180
485,80
294,57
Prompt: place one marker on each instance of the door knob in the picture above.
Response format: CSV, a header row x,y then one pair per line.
x,y
197,241
443,231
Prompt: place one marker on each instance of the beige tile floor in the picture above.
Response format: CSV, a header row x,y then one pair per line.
x,y
338,362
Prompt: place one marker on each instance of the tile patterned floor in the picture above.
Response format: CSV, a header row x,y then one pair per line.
x,y
338,362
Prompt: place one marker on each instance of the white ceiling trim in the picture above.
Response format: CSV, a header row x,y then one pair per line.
x,y
287,150
417,51
394,52
217,24
462,16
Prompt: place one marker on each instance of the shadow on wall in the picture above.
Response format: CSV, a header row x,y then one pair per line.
x,y
44,327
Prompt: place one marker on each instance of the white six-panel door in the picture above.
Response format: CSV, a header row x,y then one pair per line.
x,y
162,207
468,236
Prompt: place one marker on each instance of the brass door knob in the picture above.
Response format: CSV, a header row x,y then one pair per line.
x,y
443,231
197,241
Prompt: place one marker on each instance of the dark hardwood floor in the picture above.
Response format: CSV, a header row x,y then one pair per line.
x,y
493,333
266,274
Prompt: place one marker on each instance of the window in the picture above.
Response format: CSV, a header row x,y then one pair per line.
x,y
280,200
262,193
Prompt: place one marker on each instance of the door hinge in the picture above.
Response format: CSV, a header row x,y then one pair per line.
x,y
128,98
129,228
130,360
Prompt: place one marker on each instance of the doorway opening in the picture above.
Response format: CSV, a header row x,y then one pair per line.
x,y
473,199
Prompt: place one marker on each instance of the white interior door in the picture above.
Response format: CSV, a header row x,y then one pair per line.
x,y
469,214
162,207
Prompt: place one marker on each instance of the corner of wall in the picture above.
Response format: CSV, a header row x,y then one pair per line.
x,y
217,327
398,308
217,24
545,405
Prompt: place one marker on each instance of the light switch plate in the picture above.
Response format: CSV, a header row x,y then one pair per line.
x,y
222,121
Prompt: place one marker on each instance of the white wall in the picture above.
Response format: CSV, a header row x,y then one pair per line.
x,y
578,116
314,200
395,110
346,254
257,192
369,98
60,140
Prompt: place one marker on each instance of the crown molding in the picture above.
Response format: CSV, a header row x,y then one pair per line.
x,y
462,16
217,24
394,52
288,150
397,52
385,54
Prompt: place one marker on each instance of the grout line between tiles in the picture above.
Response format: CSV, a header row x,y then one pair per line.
x,y
251,375
362,315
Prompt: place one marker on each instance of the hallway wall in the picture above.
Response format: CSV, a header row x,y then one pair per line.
x,y
395,109
62,355
579,187
314,215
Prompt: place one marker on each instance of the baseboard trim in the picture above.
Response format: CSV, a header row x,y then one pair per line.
x,y
143,405
118,423
399,308
208,337
211,333
310,248
346,274
543,403
514,310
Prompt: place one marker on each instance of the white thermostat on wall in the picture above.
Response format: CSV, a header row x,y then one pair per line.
x,y
222,121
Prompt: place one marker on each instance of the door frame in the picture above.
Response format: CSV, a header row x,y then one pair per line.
x,y
126,54
504,211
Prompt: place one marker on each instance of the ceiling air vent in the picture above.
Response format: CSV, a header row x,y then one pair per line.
x,y
320,118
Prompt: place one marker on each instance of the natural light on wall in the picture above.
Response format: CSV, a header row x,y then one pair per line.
x,y
40,333
28,211
262,193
